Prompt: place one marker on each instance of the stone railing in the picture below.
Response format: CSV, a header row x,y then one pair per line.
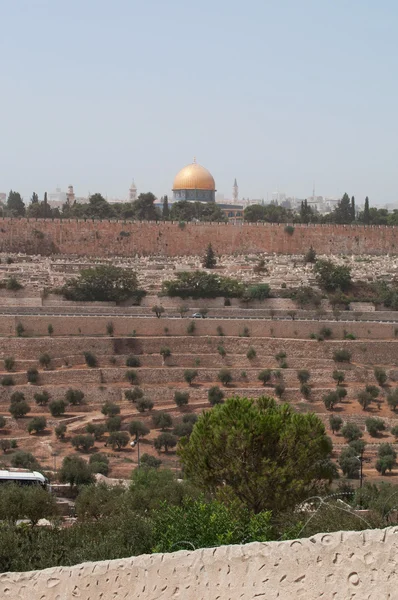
x,y
342,566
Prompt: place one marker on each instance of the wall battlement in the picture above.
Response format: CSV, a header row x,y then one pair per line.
x,y
343,565
129,238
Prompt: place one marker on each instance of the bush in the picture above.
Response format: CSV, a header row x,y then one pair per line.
x,y
96,429
74,397
42,398
32,375
384,464
60,431
134,394
132,377
245,332
104,283
373,390
158,310
310,255
190,375
199,284
114,423
165,352
50,329
380,376
330,400
219,330
57,408
265,376
19,409
374,426
7,380
83,442
351,432
215,395
342,355
99,463
91,359
2,422
221,350
307,296
181,398
75,471
261,291
225,376
144,404
20,329
341,392
9,363
150,462
45,360
326,333
138,429
24,460
110,329
305,390
165,440
349,463
37,424
335,423
303,376
118,439
365,399
191,328
110,409
350,336
280,389
162,420
183,429
386,450
13,284
338,376
251,353
133,361
289,229
17,397
280,356
392,399
331,277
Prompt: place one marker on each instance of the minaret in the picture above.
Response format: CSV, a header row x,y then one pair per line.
x,y
235,192
132,192
70,195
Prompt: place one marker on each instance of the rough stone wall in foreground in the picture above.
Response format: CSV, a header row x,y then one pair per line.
x,y
342,566
110,238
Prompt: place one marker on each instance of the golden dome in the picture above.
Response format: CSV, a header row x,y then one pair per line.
x,y
194,177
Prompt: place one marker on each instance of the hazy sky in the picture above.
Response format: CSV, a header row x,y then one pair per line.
x,y
278,93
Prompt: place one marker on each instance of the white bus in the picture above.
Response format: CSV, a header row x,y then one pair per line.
x,y
23,477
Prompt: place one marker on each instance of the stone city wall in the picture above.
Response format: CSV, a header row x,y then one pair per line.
x,y
342,566
110,238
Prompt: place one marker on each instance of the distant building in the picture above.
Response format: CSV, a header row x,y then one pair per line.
x,y
132,192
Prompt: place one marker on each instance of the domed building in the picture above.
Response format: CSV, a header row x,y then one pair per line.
x,y
194,183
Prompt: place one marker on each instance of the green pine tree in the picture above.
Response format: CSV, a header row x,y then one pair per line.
x,y
366,212
209,260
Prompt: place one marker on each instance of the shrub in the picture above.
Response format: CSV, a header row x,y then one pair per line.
x,y
165,440
9,363
225,376
374,426
91,359
341,392
75,471
110,329
45,360
349,463
261,291
132,377
162,420
365,399
330,400
133,361
331,277
245,332
209,260
326,333
74,397
310,255
191,328
251,353
307,296
283,364
289,229
280,356
144,404
386,450
20,329
96,429
118,439
373,390
24,460
384,464
114,423
42,398
13,284
2,422
215,395
99,463
134,394
199,284
19,409
37,424
60,431
305,390
220,330
17,397
50,329
158,310
280,389
338,376
105,283
32,375
138,429
351,432
380,376
5,445
7,380
190,375
342,355
265,376
150,462
183,429
335,423
221,350
350,336
392,399
110,409
165,352
57,407
394,431
303,376
181,398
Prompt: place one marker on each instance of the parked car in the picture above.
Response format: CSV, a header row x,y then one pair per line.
x,y
198,315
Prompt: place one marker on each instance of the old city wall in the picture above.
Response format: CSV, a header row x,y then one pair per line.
x,y
338,565
110,238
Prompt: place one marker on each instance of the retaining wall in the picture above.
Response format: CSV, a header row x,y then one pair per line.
x,y
342,566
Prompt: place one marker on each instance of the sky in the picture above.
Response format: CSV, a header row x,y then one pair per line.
x,y
280,94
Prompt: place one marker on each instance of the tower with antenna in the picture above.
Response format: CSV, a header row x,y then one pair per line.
x,y
235,192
